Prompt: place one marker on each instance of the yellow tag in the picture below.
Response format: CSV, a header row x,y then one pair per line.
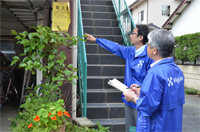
x,y
61,16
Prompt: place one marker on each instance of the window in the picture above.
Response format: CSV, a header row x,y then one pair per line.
x,y
165,10
141,16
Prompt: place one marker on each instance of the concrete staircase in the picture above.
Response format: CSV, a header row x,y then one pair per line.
x,y
103,102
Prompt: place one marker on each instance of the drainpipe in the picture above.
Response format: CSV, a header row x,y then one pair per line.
x,y
147,10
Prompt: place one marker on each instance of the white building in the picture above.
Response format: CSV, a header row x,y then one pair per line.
x,y
153,11
183,21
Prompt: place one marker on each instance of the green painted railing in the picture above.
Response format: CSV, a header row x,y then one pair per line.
x,y
82,65
125,19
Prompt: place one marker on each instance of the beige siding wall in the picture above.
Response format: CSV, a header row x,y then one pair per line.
x,y
192,76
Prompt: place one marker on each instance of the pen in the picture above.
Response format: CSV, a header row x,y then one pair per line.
x,y
133,87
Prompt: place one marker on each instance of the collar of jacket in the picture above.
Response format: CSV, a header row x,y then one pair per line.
x,y
165,60
144,53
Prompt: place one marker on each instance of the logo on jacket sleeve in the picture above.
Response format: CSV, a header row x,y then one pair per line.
x,y
172,81
140,64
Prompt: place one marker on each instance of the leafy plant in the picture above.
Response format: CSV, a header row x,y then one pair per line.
x,y
191,91
187,48
44,51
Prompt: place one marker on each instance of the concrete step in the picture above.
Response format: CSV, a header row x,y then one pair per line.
x,y
97,8
100,22
104,59
103,96
98,15
102,30
101,82
116,125
107,70
105,110
97,2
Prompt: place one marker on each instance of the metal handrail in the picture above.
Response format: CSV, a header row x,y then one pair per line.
x,y
126,24
82,65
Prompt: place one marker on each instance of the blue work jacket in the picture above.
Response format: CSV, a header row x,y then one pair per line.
x,y
135,67
160,106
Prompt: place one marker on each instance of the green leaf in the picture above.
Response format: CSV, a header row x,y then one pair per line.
x,y
62,53
45,120
34,56
60,83
25,59
51,64
60,61
51,57
21,34
43,69
70,66
82,40
85,36
36,63
39,113
15,58
27,49
22,64
45,114
67,72
13,32
54,51
22,54
18,37
55,127
13,62
42,54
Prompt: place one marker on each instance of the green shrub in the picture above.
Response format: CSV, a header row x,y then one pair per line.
x,y
190,91
187,48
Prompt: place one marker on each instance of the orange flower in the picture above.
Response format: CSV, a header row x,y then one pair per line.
x,y
30,125
60,113
53,118
49,114
37,118
67,114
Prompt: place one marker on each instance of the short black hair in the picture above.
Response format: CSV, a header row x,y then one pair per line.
x,y
144,31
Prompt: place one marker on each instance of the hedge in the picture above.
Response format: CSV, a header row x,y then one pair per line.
x,y
187,48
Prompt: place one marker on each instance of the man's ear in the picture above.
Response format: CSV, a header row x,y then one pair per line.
x,y
155,51
141,37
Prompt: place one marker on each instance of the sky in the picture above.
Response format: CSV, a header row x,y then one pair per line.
x,y
130,2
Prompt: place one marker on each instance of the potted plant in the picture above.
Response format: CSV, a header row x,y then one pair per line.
x,y
43,52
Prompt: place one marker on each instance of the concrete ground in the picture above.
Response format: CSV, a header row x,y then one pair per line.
x,y
191,115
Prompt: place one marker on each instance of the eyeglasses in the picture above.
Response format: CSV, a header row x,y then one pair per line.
x,y
133,33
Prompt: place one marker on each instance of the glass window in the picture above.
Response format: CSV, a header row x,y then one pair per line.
x,y
141,16
165,10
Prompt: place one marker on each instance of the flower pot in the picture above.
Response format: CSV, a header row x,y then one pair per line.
x,y
61,129
199,95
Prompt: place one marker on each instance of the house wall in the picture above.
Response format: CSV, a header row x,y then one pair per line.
x,y
154,12
192,76
188,21
136,10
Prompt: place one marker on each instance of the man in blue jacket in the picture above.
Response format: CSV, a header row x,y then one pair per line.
x,y
161,98
137,64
